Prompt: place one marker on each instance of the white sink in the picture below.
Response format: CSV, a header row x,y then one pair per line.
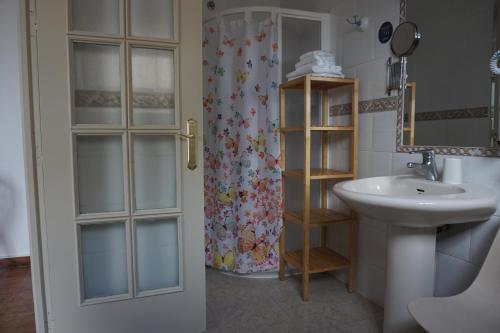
x,y
413,207
416,202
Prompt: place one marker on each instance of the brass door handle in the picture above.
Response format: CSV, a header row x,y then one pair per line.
x,y
191,128
185,136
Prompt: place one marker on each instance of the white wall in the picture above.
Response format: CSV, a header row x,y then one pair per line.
x,y
462,249
14,237
221,5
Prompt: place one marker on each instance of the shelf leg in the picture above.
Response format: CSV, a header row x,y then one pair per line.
x,y
350,280
307,187
324,159
305,267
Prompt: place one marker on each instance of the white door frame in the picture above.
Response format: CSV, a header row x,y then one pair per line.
x,y
30,121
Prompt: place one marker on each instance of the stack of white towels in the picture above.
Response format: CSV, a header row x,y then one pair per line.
x,y
318,63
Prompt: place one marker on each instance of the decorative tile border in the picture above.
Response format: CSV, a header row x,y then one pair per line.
x,y
112,99
444,150
469,113
368,106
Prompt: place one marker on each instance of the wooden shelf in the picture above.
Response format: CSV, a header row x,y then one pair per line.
x,y
321,259
319,217
318,82
319,128
319,173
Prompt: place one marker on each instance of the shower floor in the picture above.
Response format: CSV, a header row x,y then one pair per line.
x,y
268,305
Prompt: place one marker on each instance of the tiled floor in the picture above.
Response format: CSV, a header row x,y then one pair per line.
x,y
233,305
16,300
256,305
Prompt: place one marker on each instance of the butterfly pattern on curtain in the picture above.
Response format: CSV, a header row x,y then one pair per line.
x,y
241,125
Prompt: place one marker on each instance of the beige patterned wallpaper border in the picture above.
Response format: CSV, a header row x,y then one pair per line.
x,y
112,99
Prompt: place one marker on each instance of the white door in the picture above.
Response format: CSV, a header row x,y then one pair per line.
x,y
117,87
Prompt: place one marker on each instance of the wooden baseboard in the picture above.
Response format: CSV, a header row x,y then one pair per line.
x,y
15,262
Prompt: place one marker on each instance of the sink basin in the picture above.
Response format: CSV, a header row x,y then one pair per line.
x,y
416,202
413,207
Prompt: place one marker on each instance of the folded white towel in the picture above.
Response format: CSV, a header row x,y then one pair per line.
x,y
317,74
308,69
314,61
317,53
312,58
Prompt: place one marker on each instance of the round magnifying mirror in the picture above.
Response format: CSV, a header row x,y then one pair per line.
x,y
405,39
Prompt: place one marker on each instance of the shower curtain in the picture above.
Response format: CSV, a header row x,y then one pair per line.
x,y
241,124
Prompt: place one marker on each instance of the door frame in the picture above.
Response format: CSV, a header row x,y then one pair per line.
x,y
32,166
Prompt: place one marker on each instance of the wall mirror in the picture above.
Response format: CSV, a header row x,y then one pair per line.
x,y
451,99
405,39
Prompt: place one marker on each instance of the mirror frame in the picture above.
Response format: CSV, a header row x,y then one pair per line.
x,y
416,40
492,151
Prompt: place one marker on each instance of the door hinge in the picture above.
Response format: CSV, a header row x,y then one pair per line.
x,y
33,22
49,322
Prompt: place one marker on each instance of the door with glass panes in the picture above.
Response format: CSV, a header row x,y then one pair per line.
x,y
118,91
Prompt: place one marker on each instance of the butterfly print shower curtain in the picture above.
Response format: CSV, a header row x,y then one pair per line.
x,y
241,139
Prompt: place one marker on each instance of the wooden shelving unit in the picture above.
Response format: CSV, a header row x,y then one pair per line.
x,y
318,259
409,130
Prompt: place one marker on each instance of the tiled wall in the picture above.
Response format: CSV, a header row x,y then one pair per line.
x,y
460,250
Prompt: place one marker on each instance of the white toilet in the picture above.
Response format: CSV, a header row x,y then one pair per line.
x,y
475,310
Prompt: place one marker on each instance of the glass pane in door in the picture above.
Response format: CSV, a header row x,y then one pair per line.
x,y
100,173
153,87
96,84
152,18
155,171
157,254
98,16
103,253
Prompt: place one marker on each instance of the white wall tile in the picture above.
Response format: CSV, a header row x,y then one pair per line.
x,y
372,79
384,50
374,164
399,161
384,121
456,241
338,238
384,131
452,275
355,47
384,141
372,245
370,281
365,140
483,171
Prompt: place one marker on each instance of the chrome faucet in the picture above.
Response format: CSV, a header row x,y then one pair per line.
x,y
428,166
